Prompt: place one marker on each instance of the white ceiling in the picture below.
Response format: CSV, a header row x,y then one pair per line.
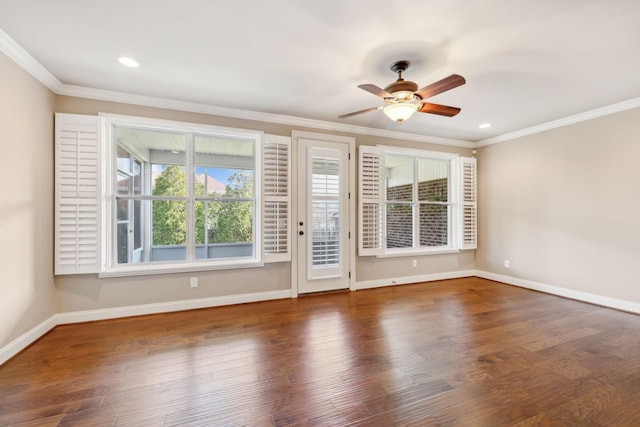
x,y
526,62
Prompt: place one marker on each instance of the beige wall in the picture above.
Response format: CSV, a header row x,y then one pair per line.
x,y
560,205
87,292
563,206
373,269
30,292
26,202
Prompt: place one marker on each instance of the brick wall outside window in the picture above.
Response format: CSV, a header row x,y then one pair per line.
x,y
433,218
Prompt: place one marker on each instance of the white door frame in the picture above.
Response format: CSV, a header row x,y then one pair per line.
x,y
351,161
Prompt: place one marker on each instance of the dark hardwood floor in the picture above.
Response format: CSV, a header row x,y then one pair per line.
x,y
467,352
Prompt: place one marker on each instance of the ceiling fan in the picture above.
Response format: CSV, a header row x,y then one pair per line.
x,y
402,98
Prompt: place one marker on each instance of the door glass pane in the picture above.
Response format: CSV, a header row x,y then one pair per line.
x,y
137,224
123,162
122,209
325,212
122,232
399,226
434,226
123,183
137,177
325,234
325,177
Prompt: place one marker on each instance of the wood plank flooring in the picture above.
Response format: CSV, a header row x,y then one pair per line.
x,y
464,352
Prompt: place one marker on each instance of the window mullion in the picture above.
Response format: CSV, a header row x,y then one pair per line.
x,y
450,197
190,200
147,214
416,205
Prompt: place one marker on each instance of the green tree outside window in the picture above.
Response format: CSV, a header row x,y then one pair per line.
x,y
228,221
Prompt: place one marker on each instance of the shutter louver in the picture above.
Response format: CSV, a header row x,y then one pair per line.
x,y
469,204
276,172
326,211
78,210
371,202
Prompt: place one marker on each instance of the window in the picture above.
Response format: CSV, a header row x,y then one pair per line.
x,y
183,196
414,201
142,196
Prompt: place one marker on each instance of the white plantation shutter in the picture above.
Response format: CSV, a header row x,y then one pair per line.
x,y
326,208
78,210
276,172
469,203
371,201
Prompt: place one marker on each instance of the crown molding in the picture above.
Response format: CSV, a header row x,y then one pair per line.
x,y
21,57
577,118
193,107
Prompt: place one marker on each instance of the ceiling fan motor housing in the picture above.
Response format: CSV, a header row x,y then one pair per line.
x,y
401,89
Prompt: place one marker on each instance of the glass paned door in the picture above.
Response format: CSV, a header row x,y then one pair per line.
x,y
323,216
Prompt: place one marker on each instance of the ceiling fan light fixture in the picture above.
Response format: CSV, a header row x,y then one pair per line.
x,y
401,111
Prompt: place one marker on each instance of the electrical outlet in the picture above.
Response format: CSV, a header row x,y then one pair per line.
x,y
507,264
193,282
414,263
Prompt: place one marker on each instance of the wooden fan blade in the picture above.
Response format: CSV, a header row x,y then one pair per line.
x,y
355,113
375,90
441,110
454,80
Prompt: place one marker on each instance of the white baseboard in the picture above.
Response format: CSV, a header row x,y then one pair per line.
x,y
618,304
369,284
167,307
26,339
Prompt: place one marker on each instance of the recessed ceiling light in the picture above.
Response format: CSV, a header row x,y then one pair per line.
x,y
485,125
128,62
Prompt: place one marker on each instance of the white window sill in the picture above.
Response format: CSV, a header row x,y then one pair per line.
x,y
149,269
415,252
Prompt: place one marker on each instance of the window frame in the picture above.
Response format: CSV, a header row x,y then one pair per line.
x,y
110,266
415,203
373,203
